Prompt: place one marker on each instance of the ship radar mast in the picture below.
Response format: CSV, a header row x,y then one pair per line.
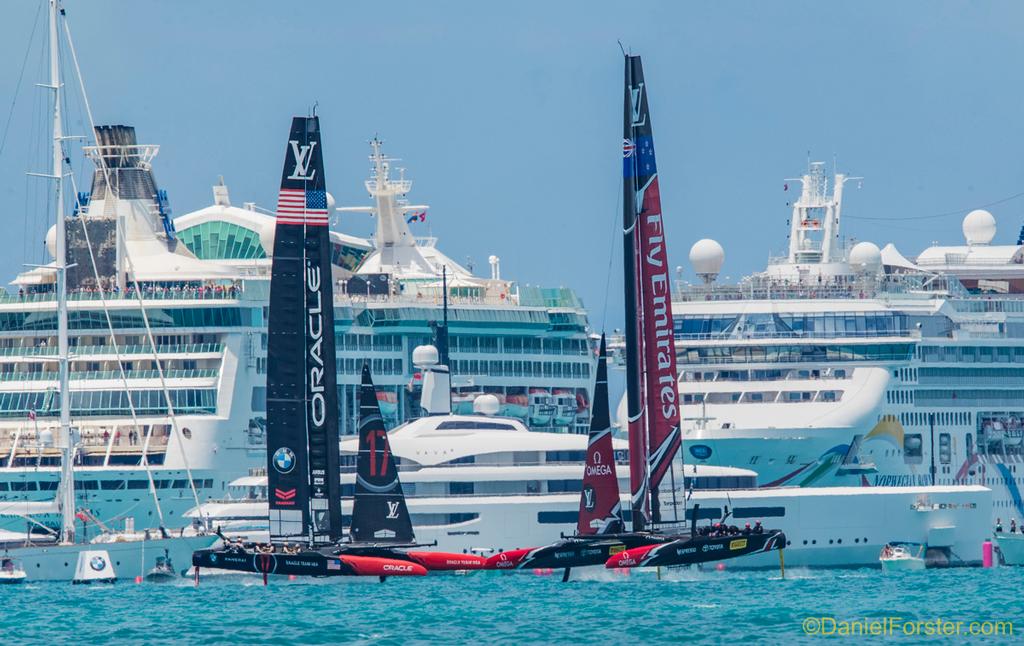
x,y
814,226
397,250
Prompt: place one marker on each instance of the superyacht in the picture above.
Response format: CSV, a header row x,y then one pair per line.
x,y
851,365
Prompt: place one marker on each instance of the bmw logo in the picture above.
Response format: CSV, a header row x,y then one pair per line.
x,y
98,563
284,460
700,451
213,558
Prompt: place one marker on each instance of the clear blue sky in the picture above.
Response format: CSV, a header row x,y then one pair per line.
x,y
508,115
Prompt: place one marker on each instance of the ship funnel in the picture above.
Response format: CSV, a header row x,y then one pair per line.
x,y
436,397
115,144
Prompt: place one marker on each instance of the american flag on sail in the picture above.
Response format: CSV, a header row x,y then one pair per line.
x,y
301,206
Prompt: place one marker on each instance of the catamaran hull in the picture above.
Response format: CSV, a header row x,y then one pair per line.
x,y
698,549
315,564
570,552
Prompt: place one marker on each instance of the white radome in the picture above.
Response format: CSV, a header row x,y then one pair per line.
x,y
486,405
979,227
866,257
51,241
425,355
706,258
330,203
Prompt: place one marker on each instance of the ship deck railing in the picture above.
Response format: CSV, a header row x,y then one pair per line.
x,y
91,350
148,294
110,374
760,287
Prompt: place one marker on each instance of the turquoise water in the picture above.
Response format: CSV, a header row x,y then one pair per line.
x,y
484,608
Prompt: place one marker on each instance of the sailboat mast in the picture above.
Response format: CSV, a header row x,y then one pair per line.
x,y
634,405
67,476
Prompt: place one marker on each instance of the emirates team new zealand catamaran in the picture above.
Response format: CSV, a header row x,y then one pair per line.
x,y
304,475
651,390
654,437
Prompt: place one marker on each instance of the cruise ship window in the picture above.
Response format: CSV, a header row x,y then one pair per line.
x,y
945,448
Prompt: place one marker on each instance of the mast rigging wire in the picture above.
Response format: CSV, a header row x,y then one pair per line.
x,y
138,292
21,76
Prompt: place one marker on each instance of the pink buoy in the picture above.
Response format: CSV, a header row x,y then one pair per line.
x,y
986,554
720,567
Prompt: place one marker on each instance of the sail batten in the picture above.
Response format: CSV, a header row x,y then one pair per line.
x,y
303,467
652,389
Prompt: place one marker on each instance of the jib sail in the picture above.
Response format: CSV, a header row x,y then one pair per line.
x,y
379,513
600,507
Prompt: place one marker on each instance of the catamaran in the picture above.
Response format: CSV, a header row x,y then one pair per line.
x,y
651,394
600,529
304,476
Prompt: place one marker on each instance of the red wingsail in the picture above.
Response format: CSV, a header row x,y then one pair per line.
x,y
600,507
662,391
651,363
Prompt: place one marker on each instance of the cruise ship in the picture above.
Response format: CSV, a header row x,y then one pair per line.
x,y
850,365
203,281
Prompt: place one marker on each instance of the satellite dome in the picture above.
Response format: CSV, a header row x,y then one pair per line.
x,y
51,241
486,405
706,257
425,355
46,437
865,257
330,204
979,227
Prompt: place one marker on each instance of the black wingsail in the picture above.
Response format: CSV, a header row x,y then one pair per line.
x,y
379,513
303,468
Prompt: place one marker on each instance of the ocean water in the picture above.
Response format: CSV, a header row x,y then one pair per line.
x,y
489,607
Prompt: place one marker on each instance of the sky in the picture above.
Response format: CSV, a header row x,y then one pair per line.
x,y
508,119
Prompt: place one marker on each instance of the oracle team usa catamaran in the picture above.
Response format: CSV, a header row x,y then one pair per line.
x,y
304,475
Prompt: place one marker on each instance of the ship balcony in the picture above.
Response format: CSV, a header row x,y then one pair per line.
x,y
24,447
